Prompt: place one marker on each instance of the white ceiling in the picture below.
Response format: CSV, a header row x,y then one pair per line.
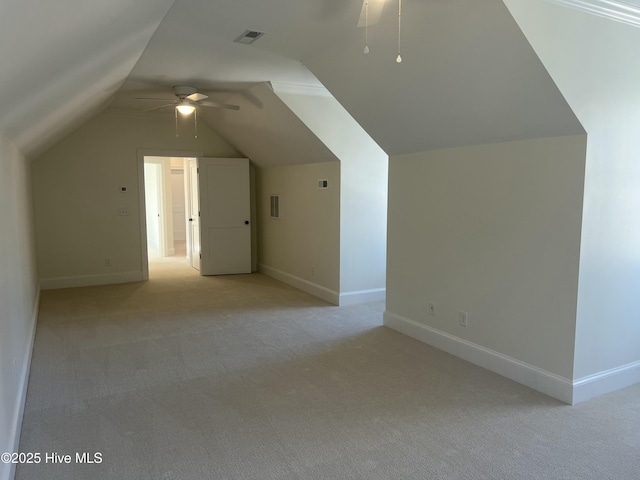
x,y
61,61
266,130
468,75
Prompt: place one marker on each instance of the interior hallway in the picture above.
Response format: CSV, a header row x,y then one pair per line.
x,y
242,377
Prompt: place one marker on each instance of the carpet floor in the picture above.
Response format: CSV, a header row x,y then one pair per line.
x,y
242,377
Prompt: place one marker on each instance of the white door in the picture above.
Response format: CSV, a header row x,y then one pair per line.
x,y
225,210
193,211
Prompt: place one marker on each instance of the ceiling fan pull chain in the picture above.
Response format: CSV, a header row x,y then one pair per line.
x,y
195,119
176,110
399,57
366,27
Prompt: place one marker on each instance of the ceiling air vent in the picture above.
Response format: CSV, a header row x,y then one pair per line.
x,y
249,36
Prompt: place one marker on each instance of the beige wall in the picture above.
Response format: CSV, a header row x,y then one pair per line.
x,y
304,244
492,230
18,293
593,60
77,194
363,190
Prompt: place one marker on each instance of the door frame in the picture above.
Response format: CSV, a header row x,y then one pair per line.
x,y
192,191
141,153
162,241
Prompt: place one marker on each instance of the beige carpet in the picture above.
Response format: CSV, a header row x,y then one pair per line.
x,y
243,377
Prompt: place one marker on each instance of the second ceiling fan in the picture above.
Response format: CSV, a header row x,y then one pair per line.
x,y
188,98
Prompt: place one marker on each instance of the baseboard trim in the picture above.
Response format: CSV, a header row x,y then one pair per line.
x,y
90,280
607,381
18,414
358,297
541,380
314,289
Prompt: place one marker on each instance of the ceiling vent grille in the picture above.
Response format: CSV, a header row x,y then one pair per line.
x,y
249,36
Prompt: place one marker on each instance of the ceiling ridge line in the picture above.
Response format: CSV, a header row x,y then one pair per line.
x,y
615,10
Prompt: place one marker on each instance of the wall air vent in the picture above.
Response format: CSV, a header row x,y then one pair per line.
x,y
274,206
249,36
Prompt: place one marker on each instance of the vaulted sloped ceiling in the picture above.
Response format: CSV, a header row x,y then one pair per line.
x,y
266,130
60,61
195,46
468,76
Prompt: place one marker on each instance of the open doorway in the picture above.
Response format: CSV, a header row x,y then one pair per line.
x,y
167,198
183,190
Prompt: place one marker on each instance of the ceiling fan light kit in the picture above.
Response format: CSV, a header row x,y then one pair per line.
x,y
185,108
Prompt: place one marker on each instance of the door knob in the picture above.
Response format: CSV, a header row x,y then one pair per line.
x,y
191,219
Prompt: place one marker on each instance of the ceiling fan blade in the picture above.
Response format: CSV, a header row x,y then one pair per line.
x,y
158,108
219,105
196,97
154,98
375,11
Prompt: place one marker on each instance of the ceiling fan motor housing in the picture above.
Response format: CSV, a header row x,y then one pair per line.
x,y
182,91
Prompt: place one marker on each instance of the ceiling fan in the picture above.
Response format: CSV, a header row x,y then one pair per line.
x,y
188,100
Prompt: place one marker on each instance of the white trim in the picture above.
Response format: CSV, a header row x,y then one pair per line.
x,y
541,380
314,289
614,10
359,297
606,381
18,414
296,89
90,280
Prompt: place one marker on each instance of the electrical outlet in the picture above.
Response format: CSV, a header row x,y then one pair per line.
x,y
107,262
432,309
463,318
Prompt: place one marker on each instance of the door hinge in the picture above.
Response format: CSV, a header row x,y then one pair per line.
x,y
197,170
200,255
